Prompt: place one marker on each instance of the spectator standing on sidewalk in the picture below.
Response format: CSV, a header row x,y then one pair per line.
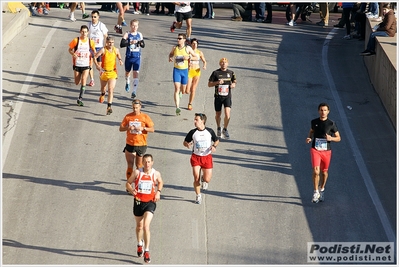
x,y
324,14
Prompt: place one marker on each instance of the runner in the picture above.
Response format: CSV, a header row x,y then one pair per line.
x,y
200,141
223,80
108,70
133,41
79,48
194,72
98,32
322,132
180,54
136,125
144,204
183,12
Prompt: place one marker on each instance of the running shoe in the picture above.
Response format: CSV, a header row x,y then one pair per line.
x,y
219,132
101,99
79,102
127,87
226,133
316,197
321,198
173,27
109,111
45,11
124,23
190,107
85,16
139,251
291,23
61,5
178,111
147,257
198,199
204,185
118,29
347,37
133,96
91,83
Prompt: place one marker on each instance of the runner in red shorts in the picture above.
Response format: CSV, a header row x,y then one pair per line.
x,y
201,138
323,130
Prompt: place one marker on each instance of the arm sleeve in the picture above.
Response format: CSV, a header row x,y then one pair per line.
x,y
124,43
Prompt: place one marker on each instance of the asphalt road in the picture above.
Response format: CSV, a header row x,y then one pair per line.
x,y
63,182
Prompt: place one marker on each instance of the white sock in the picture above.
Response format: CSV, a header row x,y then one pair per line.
x,y
135,84
127,80
140,243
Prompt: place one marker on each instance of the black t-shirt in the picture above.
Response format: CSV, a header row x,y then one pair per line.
x,y
320,129
223,90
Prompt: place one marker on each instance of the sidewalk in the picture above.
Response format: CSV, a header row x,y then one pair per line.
x,y
14,19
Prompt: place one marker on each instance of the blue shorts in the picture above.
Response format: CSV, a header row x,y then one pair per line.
x,y
180,76
132,63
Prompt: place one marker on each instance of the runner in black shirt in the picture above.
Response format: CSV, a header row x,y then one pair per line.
x,y
323,130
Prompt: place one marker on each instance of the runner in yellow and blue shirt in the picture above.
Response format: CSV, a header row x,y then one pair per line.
x,y
180,55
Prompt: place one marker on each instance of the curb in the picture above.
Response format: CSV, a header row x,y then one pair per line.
x,y
13,24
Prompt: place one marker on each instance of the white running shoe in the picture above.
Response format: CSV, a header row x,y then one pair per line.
x,y
198,199
316,197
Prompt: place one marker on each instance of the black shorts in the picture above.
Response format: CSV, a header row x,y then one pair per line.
x,y
183,16
139,209
222,101
80,69
139,150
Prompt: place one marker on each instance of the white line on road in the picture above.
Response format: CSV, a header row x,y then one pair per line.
x,y
356,152
24,90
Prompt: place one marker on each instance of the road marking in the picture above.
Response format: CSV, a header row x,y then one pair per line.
x,y
355,149
24,90
194,225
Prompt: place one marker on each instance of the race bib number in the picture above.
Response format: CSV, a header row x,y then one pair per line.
x,y
145,187
136,124
201,146
321,144
179,60
223,89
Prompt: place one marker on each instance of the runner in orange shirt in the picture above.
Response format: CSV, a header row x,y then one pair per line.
x,y
79,48
136,125
108,70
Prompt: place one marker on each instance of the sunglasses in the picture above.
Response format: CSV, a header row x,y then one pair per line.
x,y
179,38
201,115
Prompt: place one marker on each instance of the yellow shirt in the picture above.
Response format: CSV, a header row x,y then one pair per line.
x,y
109,59
180,62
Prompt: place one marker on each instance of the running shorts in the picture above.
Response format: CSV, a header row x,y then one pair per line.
x,y
320,158
180,76
140,209
193,73
204,162
222,101
139,150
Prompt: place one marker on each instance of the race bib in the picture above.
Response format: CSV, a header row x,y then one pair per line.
x,y
136,124
179,60
145,187
320,144
201,146
223,89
